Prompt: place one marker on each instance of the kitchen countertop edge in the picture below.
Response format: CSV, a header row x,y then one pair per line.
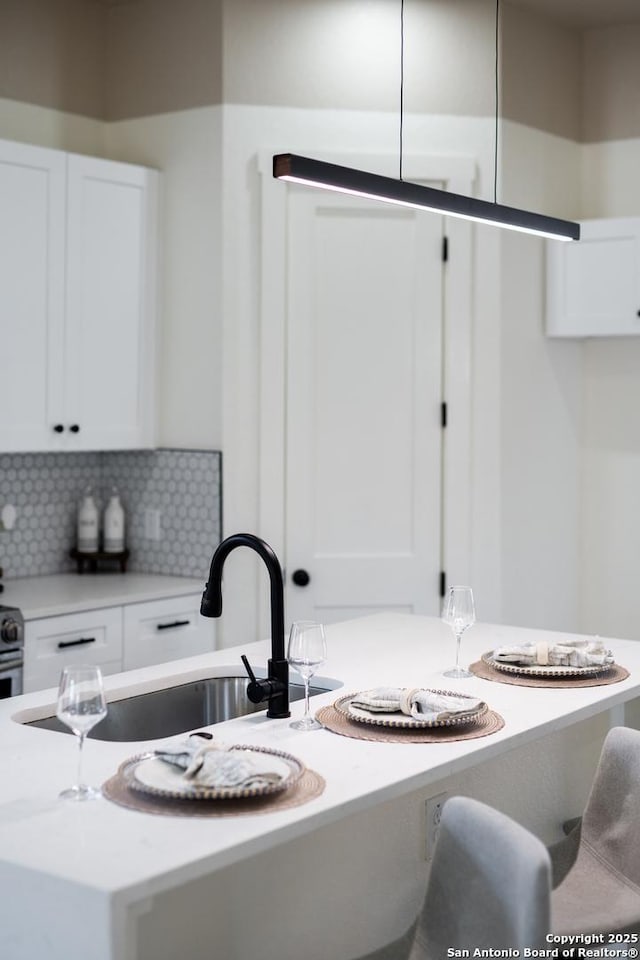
x,y
66,593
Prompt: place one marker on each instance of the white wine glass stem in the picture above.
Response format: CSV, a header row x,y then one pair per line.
x,y
306,697
81,738
458,639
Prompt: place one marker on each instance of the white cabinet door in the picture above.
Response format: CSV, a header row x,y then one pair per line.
x,y
77,301
110,304
93,636
165,630
32,225
593,287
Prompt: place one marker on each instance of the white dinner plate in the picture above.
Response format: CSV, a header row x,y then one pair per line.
x,y
154,776
345,706
540,671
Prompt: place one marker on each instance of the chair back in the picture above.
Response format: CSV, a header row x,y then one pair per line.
x,y
489,886
611,820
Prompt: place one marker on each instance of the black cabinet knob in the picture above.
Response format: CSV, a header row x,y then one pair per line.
x,y
58,428
74,428
300,577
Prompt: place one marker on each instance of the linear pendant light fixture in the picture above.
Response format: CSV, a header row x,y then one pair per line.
x,y
330,176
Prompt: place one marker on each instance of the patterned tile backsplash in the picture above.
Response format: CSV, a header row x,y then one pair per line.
x,y
46,488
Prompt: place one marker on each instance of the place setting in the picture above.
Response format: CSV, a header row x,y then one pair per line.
x,y
410,715
570,662
226,779
201,776
573,661
418,714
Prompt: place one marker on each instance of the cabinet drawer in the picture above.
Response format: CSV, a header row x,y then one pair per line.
x,y
165,630
94,636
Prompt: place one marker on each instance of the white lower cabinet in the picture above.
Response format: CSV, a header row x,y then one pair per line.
x,y
94,636
165,630
115,638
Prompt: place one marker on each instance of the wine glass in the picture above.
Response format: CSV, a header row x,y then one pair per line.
x,y
81,704
459,612
307,650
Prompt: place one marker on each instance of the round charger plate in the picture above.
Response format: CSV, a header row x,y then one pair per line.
x,y
150,775
344,706
540,671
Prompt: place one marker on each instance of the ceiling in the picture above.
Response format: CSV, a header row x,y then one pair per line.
x,y
576,13
585,13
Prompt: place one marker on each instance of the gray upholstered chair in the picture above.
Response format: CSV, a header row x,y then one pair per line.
x,y
598,864
490,884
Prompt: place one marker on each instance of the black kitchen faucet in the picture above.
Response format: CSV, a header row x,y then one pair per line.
x,y
275,688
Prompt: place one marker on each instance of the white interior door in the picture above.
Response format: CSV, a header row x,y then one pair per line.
x,y
363,433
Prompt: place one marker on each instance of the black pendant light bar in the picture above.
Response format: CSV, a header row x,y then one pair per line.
x,y
331,176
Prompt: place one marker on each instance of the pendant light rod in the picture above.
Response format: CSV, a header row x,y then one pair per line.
x,y
331,176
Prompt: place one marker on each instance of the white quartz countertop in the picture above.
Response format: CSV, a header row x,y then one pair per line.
x,y
123,854
67,593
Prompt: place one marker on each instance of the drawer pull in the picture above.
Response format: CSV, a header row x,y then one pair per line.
x,y
75,643
176,623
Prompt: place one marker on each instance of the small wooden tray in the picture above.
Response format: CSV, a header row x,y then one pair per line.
x,y
91,561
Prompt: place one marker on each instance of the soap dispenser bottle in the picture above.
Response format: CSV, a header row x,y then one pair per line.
x,y
88,524
113,526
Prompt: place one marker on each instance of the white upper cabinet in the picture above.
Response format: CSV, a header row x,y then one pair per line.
x,y
593,286
32,266
77,299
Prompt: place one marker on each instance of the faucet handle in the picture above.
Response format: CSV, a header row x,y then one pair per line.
x,y
257,690
247,667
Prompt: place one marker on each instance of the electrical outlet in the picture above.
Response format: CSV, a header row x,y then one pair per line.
x,y
152,524
433,808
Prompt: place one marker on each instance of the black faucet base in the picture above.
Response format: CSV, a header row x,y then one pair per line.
x,y
278,670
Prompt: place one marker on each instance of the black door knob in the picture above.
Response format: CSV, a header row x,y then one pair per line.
x,y
74,428
58,428
300,577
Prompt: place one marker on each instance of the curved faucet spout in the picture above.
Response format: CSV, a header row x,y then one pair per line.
x,y
277,688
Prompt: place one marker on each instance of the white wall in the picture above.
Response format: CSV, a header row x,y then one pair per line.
x,y
186,147
570,473
610,517
44,127
541,401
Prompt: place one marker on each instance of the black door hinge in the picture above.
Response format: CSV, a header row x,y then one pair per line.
x,y
443,415
443,583
445,249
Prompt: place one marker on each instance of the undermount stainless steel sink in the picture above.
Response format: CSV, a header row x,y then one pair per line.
x,y
163,713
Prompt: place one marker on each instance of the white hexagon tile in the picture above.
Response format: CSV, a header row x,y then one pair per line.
x,y
175,493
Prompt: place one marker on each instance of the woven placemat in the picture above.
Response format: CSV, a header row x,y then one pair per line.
x,y
335,721
308,787
486,672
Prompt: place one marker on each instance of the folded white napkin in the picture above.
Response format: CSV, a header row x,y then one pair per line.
x,y
421,704
214,765
179,753
568,653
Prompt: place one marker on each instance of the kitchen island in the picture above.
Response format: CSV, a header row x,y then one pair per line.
x,y
335,878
